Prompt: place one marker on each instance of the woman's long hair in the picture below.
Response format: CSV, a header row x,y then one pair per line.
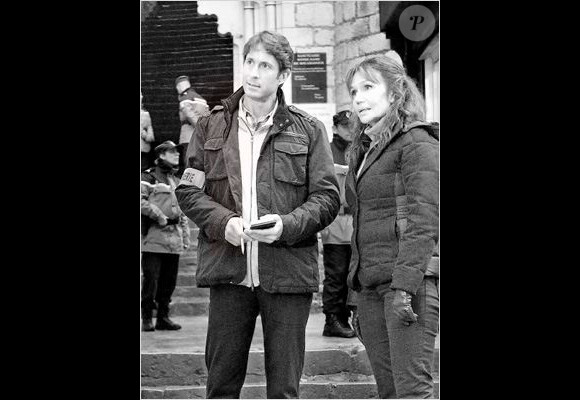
x,y
408,104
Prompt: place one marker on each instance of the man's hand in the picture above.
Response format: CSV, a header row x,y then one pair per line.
x,y
267,235
235,231
162,220
402,307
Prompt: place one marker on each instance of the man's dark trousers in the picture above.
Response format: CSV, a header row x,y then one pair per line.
x,y
159,280
233,311
335,291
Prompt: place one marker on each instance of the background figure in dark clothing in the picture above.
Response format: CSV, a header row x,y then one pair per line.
x,y
191,107
336,240
147,137
165,232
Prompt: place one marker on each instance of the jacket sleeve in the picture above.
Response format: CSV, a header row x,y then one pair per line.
x,y
147,208
420,174
192,110
341,172
210,216
323,202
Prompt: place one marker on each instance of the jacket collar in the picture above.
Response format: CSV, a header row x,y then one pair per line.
x,y
431,128
231,149
282,117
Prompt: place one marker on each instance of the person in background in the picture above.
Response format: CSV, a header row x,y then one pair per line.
x,y
392,189
147,137
336,239
191,107
165,235
256,159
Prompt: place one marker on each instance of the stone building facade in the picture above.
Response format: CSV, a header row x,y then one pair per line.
x,y
345,31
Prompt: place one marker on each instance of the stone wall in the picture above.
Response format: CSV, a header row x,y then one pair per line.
x,y
356,35
309,27
146,8
346,31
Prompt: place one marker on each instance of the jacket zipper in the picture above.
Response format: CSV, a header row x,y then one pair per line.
x,y
251,201
250,252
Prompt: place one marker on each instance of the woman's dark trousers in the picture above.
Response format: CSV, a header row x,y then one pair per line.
x,y
401,356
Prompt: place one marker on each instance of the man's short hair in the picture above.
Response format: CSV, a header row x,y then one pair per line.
x,y
275,44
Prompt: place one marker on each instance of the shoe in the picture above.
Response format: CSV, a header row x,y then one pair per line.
x,y
147,325
335,327
165,324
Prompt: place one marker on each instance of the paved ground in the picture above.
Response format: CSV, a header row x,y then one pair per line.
x,y
191,337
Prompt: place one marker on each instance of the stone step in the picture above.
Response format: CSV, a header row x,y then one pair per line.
x,y
182,369
308,390
189,306
186,279
190,291
188,263
186,369
173,363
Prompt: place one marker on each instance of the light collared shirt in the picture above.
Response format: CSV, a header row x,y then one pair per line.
x,y
372,132
251,135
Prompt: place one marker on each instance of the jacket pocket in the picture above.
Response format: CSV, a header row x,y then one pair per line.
x,y
164,198
290,162
213,159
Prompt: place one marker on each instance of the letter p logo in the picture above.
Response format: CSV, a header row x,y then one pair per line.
x,y
417,19
417,23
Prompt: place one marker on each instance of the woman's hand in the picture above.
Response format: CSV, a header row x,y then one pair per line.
x,y
402,307
356,324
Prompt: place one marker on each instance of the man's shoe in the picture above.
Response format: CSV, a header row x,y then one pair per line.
x,y
334,327
165,324
147,325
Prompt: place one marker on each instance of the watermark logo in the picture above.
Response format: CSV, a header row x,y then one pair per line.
x,y
417,23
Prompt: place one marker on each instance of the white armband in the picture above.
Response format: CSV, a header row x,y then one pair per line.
x,y
193,177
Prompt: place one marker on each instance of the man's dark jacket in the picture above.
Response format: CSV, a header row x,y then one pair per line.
x,y
294,178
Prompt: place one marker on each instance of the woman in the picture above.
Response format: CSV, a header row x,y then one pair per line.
x,y
392,189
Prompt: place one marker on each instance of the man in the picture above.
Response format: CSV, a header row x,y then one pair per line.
x,y
191,107
256,158
165,232
336,240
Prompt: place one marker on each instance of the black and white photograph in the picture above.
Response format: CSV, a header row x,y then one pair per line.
x,y
289,199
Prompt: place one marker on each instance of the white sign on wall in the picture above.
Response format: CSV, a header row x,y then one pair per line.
x,y
323,112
